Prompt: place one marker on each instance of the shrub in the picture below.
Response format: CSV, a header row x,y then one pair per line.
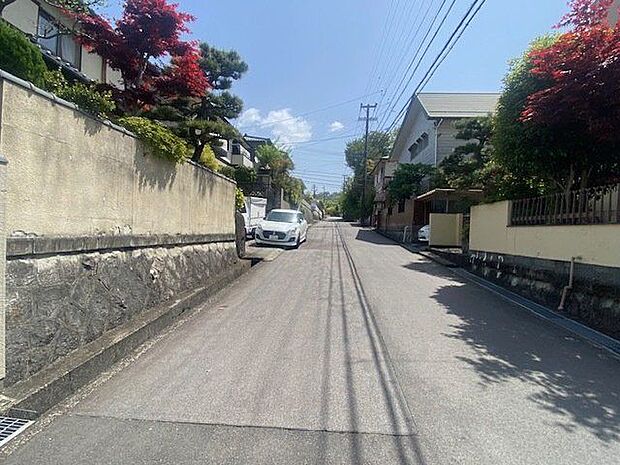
x,y
239,198
86,97
208,159
19,56
157,137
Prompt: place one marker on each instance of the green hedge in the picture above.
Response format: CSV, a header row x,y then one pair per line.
x,y
157,137
19,56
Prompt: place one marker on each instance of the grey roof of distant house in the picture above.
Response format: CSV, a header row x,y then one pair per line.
x,y
458,104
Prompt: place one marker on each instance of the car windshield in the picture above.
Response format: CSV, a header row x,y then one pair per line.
x,y
282,217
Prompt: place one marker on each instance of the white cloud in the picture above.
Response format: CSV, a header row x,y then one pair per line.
x,y
283,125
336,126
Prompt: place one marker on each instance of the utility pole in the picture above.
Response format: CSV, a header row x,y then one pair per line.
x,y
367,119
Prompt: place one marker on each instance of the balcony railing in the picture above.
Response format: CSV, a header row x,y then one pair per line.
x,y
598,205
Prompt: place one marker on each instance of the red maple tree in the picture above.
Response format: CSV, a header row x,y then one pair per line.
x,y
146,46
582,69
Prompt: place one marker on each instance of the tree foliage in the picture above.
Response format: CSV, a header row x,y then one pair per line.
x,y
19,56
407,180
379,146
147,31
281,165
524,153
465,167
86,96
580,98
159,139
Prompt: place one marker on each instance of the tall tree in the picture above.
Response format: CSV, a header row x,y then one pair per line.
x,y
147,31
580,99
525,152
464,168
281,165
205,124
379,146
407,180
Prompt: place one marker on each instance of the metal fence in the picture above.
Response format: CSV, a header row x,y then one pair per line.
x,y
598,205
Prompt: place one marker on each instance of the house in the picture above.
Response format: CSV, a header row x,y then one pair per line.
x,y
382,175
255,142
428,136
48,27
235,152
429,128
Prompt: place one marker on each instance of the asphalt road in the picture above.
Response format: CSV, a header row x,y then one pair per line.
x,y
350,350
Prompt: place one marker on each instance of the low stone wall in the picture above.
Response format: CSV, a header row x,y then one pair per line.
x,y
58,302
594,299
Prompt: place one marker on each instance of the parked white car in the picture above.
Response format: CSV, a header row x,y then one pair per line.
x,y
424,233
287,228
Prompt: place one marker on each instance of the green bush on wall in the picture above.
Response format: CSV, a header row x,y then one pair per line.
x,y
158,138
19,56
85,96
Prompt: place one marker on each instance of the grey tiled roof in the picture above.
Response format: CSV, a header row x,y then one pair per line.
x,y
458,105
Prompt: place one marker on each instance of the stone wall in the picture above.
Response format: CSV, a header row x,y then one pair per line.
x,y
57,303
594,299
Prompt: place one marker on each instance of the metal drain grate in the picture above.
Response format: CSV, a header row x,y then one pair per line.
x,y
11,427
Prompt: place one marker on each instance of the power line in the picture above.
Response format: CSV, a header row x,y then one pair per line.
x,y
301,115
394,100
406,49
458,32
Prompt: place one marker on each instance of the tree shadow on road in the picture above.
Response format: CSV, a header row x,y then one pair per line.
x,y
368,235
574,381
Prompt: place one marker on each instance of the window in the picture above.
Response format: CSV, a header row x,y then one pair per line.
x,y
236,148
420,145
61,44
401,206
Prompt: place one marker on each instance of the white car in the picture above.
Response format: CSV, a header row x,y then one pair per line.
x,y
288,228
424,233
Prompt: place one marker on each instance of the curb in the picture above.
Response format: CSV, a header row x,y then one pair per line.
x,y
30,398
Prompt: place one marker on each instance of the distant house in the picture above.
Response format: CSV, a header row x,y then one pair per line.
x,y
429,128
43,23
255,142
381,175
428,135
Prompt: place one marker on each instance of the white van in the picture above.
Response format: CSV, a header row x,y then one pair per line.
x,y
253,211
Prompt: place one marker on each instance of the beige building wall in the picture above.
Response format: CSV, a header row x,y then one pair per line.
x,y
446,229
71,175
595,244
23,14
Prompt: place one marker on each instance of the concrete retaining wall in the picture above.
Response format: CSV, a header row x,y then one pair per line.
x,y
597,244
98,230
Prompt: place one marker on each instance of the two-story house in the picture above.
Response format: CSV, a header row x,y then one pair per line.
x,y
428,135
382,174
49,29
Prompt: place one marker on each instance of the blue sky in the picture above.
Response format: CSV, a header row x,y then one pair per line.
x,y
308,55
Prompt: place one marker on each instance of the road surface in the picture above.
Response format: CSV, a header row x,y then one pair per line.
x,y
350,350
